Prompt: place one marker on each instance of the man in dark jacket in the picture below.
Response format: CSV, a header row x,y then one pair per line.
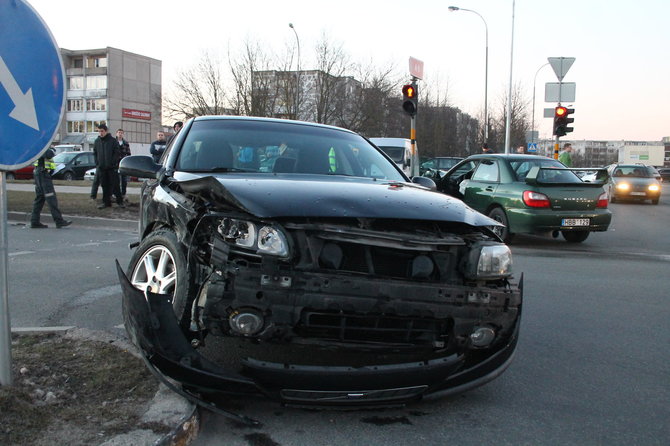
x,y
158,147
45,192
107,154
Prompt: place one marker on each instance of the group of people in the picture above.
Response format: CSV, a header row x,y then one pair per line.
x,y
564,157
108,151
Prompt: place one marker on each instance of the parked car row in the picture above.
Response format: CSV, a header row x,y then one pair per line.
x,y
69,166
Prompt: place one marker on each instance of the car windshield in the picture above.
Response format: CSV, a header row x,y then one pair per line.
x,y
447,163
229,145
522,167
632,172
64,157
395,153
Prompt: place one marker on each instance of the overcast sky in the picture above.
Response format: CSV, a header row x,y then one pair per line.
x,y
622,66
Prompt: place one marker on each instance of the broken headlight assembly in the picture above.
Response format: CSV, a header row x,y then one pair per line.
x,y
488,261
260,237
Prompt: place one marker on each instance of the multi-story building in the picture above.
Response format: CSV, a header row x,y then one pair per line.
x,y
111,86
321,97
601,153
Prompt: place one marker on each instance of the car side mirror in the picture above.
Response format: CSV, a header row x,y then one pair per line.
x,y
425,182
140,166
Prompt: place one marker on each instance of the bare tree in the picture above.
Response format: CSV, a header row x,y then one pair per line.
x,y
199,90
519,122
332,66
254,92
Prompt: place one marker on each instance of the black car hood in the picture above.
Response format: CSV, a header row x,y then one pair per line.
x,y
277,195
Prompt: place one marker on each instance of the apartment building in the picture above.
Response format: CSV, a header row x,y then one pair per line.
x,y
111,86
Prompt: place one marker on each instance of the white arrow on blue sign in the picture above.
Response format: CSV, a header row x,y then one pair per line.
x,y
32,85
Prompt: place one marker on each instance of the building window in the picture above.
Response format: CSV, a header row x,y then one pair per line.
x,y
137,132
75,126
96,104
76,83
78,62
92,126
96,82
75,105
97,62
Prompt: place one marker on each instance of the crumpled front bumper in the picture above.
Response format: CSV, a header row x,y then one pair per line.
x,y
153,328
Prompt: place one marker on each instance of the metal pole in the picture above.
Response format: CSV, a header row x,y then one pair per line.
x,y
509,94
415,159
532,127
297,94
5,328
486,70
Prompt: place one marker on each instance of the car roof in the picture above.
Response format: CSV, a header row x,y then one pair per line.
x,y
508,156
263,119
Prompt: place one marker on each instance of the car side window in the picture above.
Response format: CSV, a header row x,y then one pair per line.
x,y
486,171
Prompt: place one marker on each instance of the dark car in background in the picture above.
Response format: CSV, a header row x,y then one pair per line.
x,y
664,172
530,194
633,182
323,278
72,165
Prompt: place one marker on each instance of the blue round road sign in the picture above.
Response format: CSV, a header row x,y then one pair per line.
x,y
31,85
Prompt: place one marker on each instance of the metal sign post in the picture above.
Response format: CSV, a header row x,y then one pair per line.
x,y
416,71
32,76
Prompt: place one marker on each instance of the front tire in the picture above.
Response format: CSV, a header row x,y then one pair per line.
x,y
159,265
575,236
498,214
655,201
9,176
69,176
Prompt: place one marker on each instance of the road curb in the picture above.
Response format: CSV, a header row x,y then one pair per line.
x,y
167,407
90,222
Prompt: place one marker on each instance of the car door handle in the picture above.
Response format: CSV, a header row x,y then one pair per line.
x,y
489,189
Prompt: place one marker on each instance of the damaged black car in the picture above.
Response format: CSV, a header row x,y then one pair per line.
x,y
296,261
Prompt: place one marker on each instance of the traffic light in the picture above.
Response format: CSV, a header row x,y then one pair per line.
x,y
410,99
562,119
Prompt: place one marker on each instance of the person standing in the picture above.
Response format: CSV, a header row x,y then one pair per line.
x,y
106,152
124,151
45,192
565,157
486,148
158,147
176,127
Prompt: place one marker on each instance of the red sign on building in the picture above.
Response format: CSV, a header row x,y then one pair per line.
x,y
136,114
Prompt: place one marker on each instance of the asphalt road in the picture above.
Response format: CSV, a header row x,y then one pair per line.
x,y
591,366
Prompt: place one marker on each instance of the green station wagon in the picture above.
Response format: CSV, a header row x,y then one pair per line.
x,y
530,194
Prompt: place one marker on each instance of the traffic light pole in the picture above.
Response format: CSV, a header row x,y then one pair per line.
x,y
556,148
415,158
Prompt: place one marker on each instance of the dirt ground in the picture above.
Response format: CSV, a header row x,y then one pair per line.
x,y
71,390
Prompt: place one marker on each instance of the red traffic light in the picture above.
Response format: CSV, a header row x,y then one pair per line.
x,y
561,112
409,91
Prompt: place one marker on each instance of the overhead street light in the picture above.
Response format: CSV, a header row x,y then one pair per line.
x,y
486,72
297,94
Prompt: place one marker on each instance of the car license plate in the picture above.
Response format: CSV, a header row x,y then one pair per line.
x,y
638,193
575,222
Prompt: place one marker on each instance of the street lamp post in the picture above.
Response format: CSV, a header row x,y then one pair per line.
x,y
532,126
508,121
486,70
297,93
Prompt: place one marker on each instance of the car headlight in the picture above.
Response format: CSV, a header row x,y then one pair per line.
x,y
265,239
488,260
623,186
654,188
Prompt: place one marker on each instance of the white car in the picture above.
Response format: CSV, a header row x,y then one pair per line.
x,y
90,175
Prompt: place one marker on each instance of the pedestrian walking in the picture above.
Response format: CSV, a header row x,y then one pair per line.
x,y
45,192
124,151
107,154
565,157
158,147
